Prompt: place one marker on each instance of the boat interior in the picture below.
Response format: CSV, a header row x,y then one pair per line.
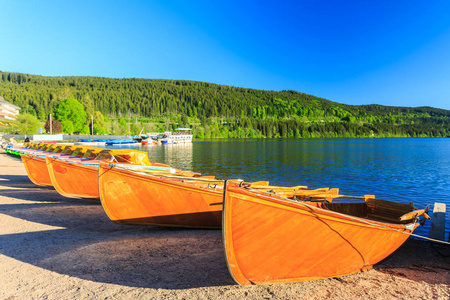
x,y
367,206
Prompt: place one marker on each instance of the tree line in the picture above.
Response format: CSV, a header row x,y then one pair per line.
x,y
129,106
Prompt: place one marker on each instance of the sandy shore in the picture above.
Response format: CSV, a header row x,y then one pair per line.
x,y
53,247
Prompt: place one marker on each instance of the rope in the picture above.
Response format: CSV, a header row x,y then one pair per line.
x,y
430,239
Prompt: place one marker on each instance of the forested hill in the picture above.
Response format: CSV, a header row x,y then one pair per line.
x,y
220,111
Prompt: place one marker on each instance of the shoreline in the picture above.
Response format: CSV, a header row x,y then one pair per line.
x,y
52,247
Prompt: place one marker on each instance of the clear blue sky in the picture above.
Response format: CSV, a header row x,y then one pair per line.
x,y
353,51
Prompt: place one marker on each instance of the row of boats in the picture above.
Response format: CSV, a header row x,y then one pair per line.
x,y
271,234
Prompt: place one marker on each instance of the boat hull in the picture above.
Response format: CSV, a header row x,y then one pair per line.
x,y
271,240
130,198
37,171
73,180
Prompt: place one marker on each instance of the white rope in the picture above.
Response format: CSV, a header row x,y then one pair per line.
x,y
430,239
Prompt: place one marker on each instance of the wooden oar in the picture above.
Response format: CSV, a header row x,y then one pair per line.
x,y
256,183
208,177
178,174
259,186
365,197
414,214
190,178
321,193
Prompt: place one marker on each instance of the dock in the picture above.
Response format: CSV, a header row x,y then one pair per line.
x,y
437,229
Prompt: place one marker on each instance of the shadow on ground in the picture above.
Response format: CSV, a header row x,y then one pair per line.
x,y
17,181
86,244
419,260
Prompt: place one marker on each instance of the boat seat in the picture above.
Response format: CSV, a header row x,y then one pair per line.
x,y
387,211
356,209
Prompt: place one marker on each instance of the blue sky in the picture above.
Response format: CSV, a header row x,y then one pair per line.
x,y
354,52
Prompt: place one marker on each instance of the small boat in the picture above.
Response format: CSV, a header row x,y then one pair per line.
x,y
121,142
179,136
12,150
36,169
142,197
72,179
18,148
89,142
79,178
9,149
36,166
273,238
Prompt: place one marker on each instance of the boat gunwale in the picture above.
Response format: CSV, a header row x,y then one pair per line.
x,y
71,163
152,177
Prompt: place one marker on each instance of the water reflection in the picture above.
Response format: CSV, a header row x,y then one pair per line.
x,y
179,156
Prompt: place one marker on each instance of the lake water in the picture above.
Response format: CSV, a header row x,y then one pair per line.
x,y
399,169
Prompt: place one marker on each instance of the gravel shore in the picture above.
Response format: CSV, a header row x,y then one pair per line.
x,y
53,247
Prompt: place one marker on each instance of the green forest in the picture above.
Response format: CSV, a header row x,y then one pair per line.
x,y
131,106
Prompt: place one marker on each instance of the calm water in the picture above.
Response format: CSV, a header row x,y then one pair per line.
x,y
404,170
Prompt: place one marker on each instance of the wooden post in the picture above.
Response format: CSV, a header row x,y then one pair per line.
x,y
437,229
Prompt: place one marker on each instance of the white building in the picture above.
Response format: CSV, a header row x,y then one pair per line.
x,y
8,111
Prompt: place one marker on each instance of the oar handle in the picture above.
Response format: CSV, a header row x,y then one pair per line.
x,y
413,215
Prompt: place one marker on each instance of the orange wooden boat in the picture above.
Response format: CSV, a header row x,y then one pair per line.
x,y
73,180
36,167
130,197
80,179
272,239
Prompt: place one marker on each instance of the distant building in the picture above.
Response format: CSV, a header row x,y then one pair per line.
x,y
8,111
